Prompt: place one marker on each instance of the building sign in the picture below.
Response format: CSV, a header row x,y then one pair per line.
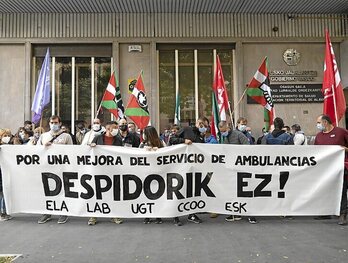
x,y
135,48
293,75
291,57
295,93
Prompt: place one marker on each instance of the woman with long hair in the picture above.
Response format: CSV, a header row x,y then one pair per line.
x,y
152,142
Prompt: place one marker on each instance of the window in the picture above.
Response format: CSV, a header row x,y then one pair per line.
x,y
78,82
188,72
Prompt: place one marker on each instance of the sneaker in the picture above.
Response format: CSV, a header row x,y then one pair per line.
x,y
252,220
117,220
177,221
92,221
288,217
322,217
232,218
194,219
158,221
62,219
5,217
147,221
43,219
213,215
342,221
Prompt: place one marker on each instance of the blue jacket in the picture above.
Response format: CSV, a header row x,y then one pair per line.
x,y
211,139
278,137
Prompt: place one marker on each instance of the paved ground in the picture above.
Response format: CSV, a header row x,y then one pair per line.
x,y
301,240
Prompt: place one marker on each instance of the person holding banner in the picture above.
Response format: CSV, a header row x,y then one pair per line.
x,y
151,142
107,138
231,136
189,135
97,129
173,131
128,139
55,136
331,135
37,133
5,137
132,128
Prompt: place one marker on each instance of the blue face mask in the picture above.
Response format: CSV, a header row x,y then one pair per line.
x,y
320,127
202,129
54,127
224,134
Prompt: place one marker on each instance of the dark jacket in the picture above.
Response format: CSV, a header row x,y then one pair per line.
x,y
277,137
99,140
130,139
190,133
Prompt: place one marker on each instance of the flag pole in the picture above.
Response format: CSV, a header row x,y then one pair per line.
x,y
177,101
334,102
229,108
239,101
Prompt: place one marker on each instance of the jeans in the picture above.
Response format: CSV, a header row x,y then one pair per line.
x,y
2,203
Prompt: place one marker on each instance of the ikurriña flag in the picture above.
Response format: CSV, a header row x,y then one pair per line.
x,y
260,91
112,99
334,100
42,92
137,108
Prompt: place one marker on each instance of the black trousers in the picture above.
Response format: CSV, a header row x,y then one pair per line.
x,y
344,194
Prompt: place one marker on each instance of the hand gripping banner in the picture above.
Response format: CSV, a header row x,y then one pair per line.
x,y
107,181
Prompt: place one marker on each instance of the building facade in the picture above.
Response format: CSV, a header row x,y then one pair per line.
x,y
174,44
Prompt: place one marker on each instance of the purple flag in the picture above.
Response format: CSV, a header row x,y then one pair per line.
x,y
42,93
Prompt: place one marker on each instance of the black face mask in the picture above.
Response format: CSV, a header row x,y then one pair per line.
x,y
123,127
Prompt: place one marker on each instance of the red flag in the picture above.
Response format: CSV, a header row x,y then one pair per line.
x,y
220,91
334,100
260,91
137,108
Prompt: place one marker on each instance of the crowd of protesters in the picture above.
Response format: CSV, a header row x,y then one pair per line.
x,y
124,134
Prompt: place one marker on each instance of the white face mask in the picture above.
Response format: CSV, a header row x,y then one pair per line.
x,y
114,132
6,139
242,127
22,135
96,127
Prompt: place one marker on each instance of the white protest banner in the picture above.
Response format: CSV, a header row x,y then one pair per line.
x,y
107,181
